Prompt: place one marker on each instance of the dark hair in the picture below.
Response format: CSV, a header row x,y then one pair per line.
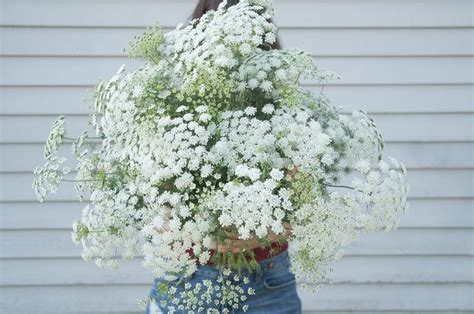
x,y
211,5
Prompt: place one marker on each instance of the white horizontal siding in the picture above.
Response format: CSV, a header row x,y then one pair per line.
x,y
407,62
46,71
375,298
429,213
300,13
431,183
353,269
46,41
52,100
395,127
22,157
406,241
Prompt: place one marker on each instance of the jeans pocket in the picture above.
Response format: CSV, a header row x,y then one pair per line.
x,y
280,279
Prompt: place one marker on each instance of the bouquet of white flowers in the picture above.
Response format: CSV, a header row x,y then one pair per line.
x,y
215,135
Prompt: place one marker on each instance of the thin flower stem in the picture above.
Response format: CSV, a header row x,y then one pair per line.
x,y
90,180
75,139
339,186
322,88
107,173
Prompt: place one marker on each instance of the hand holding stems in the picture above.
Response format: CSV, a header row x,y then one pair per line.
x,y
233,244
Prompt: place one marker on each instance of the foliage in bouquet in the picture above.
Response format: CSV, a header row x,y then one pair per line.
x,y
214,135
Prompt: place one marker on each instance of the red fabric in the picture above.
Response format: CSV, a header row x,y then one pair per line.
x,y
260,253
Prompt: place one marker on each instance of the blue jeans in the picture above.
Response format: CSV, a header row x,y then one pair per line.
x,y
274,284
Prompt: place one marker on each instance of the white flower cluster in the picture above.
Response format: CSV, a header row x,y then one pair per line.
x,y
380,196
48,177
254,208
303,141
244,143
321,229
218,41
275,72
52,172
215,136
366,142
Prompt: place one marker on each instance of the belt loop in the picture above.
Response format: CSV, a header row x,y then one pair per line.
x,y
258,274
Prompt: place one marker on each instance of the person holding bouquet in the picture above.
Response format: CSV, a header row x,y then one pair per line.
x,y
208,160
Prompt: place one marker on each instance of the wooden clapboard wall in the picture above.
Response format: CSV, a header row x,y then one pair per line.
x,y
408,62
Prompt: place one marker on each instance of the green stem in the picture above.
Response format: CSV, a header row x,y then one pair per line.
x,y
338,186
66,180
75,139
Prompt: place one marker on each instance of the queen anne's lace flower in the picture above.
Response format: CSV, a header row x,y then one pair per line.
x,y
214,135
